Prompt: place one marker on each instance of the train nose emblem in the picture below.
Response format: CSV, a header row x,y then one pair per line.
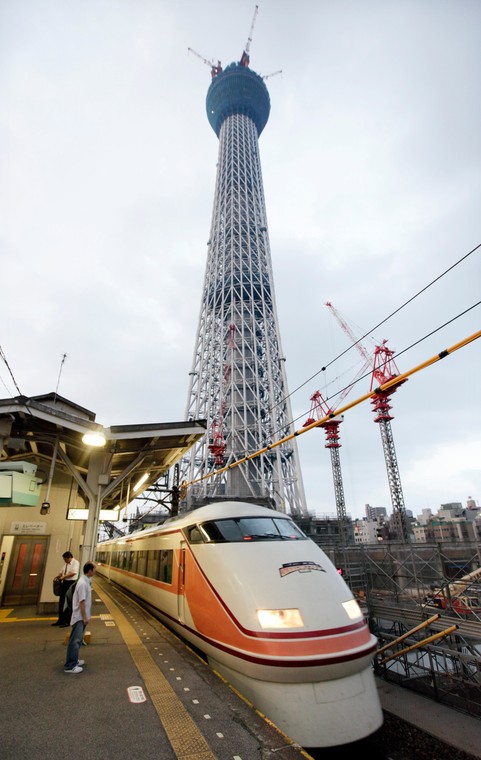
x,y
299,567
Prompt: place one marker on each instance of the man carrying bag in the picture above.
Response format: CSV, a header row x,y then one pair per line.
x,y
67,576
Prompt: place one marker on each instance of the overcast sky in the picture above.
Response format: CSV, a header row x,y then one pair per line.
x,y
371,163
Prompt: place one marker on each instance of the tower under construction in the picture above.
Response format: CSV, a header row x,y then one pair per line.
x,y
238,379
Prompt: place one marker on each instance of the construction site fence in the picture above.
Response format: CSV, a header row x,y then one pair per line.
x,y
426,618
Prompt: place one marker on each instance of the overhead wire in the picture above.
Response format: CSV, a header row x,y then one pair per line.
x,y
318,423
379,324
397,354
2,356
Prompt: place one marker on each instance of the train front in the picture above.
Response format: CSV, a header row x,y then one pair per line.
x,y
278,622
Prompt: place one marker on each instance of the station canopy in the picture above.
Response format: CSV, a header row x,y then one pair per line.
x,y
40,429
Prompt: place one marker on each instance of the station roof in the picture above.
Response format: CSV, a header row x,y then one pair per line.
x,y
31,426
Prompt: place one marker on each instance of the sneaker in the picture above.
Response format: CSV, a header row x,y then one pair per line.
x,y
80,663
76,669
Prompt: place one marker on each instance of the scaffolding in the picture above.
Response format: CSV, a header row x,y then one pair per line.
x,y
430,649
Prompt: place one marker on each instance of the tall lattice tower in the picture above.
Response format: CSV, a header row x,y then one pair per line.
x,y
238,380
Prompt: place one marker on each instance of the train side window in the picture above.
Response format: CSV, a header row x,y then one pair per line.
x,y
133,561
165,565
142,562
152,563
194,535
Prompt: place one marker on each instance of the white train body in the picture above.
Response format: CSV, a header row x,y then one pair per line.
x,y
267,607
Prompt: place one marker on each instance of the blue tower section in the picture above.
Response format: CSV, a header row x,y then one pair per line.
x,y
238,90
238,380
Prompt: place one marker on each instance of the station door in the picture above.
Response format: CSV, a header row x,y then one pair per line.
x,y
25,570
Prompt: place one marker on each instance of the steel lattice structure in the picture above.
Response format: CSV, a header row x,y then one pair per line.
x,y
238,380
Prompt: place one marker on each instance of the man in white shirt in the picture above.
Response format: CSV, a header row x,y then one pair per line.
x,y
81,607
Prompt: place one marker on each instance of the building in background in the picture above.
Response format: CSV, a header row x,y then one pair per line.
x,y
375,513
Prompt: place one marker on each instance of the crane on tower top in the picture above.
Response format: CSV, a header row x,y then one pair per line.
x,y
245,60
383,368
214,69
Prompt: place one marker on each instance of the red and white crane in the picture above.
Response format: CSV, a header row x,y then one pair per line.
x,y
217,443
319,409
214,68
383,369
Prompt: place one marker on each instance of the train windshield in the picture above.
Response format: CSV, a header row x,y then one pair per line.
x,y
245,529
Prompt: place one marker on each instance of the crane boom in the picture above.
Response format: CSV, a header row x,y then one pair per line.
x,y
273,74
383,368
356,341
244,61
214,69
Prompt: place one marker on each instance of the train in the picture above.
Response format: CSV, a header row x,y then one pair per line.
x,y
271,614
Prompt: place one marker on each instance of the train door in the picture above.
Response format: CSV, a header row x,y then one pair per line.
x,y
181,584
25,570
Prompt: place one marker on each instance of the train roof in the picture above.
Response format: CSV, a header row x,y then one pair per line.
x,y
215,511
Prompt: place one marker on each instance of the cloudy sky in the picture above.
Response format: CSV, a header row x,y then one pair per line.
x,y
372,174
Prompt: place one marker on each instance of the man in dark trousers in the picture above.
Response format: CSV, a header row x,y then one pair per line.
x,y
68,575
81,610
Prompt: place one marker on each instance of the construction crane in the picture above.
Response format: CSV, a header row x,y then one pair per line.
x,y
268,76
214,69
217,443
245,60
319,409
383,369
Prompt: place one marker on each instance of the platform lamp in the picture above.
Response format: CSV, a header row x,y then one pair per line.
x,y
94,438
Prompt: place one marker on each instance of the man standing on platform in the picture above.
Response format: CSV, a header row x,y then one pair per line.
x,y
81,606
68,575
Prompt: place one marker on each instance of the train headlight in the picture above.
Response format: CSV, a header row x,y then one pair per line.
x,y
352,608
280,619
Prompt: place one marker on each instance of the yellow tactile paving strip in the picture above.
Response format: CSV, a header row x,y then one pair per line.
x,y
183,734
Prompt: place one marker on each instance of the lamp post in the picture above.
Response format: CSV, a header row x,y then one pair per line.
x,y
96,440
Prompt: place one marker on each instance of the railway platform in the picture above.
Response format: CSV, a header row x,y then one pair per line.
x,y
144,695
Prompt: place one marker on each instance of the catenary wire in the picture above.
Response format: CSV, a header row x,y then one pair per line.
x,y
396,355
382,322
2,356
318,423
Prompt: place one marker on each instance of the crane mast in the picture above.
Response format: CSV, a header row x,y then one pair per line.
x,y
320,409
217,443
383,368
245,59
